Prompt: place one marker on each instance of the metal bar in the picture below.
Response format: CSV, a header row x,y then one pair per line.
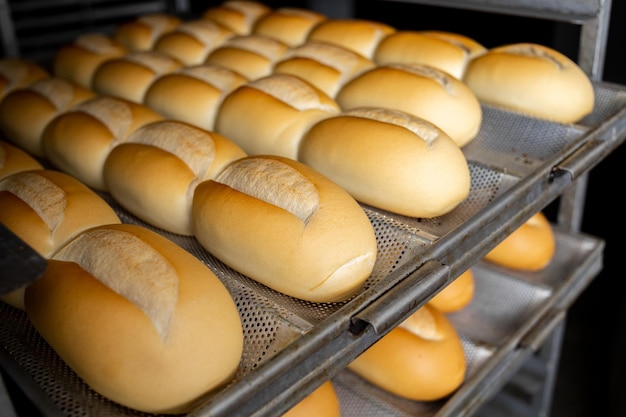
x,y
7,31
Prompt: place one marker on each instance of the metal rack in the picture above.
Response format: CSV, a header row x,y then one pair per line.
x,y
308,344
593,18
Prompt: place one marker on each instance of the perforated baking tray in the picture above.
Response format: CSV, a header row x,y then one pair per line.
x,y
518,165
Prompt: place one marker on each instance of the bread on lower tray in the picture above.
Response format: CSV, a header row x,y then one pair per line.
x,y
422,359
530,247
322,402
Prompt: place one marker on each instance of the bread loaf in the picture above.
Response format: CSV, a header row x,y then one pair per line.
x,y
237,15
447,51
270,115
456,295
154,173
25,112
253,56
286,226
322,402
14,159
141,33
358,35
422,359
77,61
193,94
326,66
17,73
390,160
530,247
192,41
78,141
47,208
290,25
532,79
421,90
142,321
129,77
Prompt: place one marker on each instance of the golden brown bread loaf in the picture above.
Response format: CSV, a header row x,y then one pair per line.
x,y
153,174
532,79
422,359
390,160
421,90
325,65
129,77
237,15
142,321
270,115
47,208
141,33
253,56
78,60
322,402
290,25
286,226
17,73
448,51
358,35
456,295
25,112
14,159
192,41
79,140
530,247
193,94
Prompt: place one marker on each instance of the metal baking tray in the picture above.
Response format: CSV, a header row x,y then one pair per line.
x,y
508,319
518,165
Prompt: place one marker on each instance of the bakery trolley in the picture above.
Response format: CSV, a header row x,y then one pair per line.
x,y
512,329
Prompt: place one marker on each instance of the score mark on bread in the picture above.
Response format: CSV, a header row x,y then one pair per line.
x,y
291,90
46,198
422,128
422,324
275,183
188,143
131,268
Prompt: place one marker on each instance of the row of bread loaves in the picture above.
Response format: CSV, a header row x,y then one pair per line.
x,y
153,167
155,311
